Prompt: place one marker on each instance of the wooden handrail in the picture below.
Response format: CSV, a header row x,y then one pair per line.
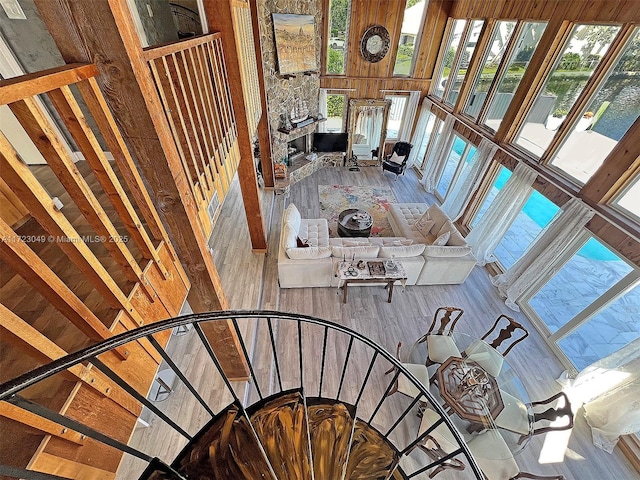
x,y
151,53
31,84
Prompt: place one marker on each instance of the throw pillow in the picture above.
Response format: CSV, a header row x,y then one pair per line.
x,y
395,158
424,218
292,216
302,243
289,236
425,227
442,239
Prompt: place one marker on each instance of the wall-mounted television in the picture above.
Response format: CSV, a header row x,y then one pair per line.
x,y
330,142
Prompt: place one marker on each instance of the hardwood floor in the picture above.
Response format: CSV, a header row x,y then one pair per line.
x,y
250,281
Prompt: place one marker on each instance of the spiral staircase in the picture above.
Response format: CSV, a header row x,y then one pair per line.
x,y
316,406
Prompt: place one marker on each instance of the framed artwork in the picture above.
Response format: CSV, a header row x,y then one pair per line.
x,y
295,43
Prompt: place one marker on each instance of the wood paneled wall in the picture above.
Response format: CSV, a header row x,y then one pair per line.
x,y
370,80
576,10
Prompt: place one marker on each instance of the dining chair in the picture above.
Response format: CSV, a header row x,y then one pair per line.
x,y
440,343
402,384
502,335
433,450
548,417
496,460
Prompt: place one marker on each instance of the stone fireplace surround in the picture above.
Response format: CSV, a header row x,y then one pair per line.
x,y
283,91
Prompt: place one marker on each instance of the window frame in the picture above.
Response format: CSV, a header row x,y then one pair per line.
x,y
416,44
326,44
389,96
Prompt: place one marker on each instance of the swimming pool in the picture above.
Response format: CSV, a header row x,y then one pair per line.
x,y
541,210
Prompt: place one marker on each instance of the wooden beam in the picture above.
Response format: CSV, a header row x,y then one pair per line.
x,y
17,333
622,165
220,18
264,129
85,30
17,88
32,420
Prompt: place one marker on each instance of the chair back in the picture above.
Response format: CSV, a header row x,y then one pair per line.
x,y
402,149
444,321
504,329
561,409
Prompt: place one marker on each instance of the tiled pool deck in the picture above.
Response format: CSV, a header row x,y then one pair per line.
x,y
581,281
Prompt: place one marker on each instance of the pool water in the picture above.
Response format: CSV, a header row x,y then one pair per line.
x,y
541,210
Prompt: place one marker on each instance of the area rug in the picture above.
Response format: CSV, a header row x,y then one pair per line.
x,y
375,200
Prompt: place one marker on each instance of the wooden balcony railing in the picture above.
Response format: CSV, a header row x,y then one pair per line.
x,y
76,275
248,68
190,76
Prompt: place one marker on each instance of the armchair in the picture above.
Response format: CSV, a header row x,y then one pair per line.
x,y
397,161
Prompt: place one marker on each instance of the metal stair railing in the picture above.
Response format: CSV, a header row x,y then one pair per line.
x,y
315,340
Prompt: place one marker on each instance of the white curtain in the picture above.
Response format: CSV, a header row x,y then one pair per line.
x,y
469,179
409,114
542,255
369,124
438,156
322,109
504,209
609,390
418,140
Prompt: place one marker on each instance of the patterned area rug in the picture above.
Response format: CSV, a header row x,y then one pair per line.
x,y
375,200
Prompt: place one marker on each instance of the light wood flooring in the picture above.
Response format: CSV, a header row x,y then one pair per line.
x,y
250,281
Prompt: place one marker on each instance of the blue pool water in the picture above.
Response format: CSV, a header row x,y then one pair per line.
x,y
541,211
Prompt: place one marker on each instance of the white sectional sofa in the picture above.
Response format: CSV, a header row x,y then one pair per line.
x,y
316,265
444,264
424,263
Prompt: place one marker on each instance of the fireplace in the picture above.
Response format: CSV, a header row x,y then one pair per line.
x,y
298,148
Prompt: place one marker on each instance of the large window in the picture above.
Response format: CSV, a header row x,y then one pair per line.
x,y
335,113
629,200
605,120
396,115
461,153
409,37
451,50
492,59
590,307
431,134
573,68
508,82
461,64
338,34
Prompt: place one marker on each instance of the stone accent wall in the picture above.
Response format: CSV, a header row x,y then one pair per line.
x,y
282,92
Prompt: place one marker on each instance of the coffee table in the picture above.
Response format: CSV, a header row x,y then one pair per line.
x,y
354,222
350,273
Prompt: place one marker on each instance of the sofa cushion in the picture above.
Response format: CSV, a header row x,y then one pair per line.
x,y
456,239
308,253
402,251
436,214
315,230
289,236
292,216
446,251
364,251
442,239
446,227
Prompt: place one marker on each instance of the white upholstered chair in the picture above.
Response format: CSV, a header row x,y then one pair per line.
x,y
485,352
440,343
403,384
496,460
